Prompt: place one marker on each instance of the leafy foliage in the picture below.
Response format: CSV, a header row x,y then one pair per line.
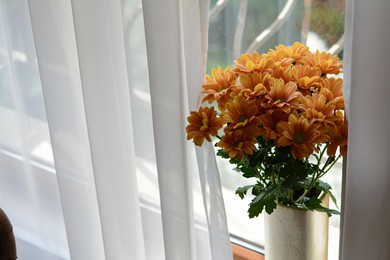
x,y
282,179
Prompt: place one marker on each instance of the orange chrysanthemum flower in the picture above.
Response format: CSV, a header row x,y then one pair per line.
x,y
251,86
237,146
254,63
306,77
280,71
308,84
217,86
288,55
333,91
299,50
269,121
302,70
301,135
203,124
315,116
282,96
338,138
242,118
325,61
335,85
319,104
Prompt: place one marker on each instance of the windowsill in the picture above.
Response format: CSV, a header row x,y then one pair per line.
x,y
242,253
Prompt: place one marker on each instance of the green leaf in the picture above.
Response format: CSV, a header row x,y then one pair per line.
x,y
270,206
283,195
241,191
321,185
333,198
259,198
298,186
223,154
247,171
314,204
328,211
255,209
266,199
325,187
258,156
331,212
256,190
293,172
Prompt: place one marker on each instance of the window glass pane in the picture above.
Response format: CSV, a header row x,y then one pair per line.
x,y
238,27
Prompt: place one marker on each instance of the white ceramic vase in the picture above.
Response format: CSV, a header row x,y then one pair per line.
x,y
295,234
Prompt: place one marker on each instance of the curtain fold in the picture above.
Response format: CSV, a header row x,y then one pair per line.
x,y
54,39
366,229
101,52
195,33
181,50
214,203
166,62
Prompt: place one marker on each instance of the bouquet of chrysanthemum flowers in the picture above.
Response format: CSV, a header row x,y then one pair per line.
x,y
279,118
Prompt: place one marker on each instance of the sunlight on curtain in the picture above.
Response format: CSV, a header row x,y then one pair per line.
x,y
118,141
177,60
28,187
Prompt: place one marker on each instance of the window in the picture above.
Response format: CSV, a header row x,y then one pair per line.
x,y
244,26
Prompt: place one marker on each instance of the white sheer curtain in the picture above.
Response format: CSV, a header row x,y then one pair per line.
x,y
366,226
176,41
129,185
